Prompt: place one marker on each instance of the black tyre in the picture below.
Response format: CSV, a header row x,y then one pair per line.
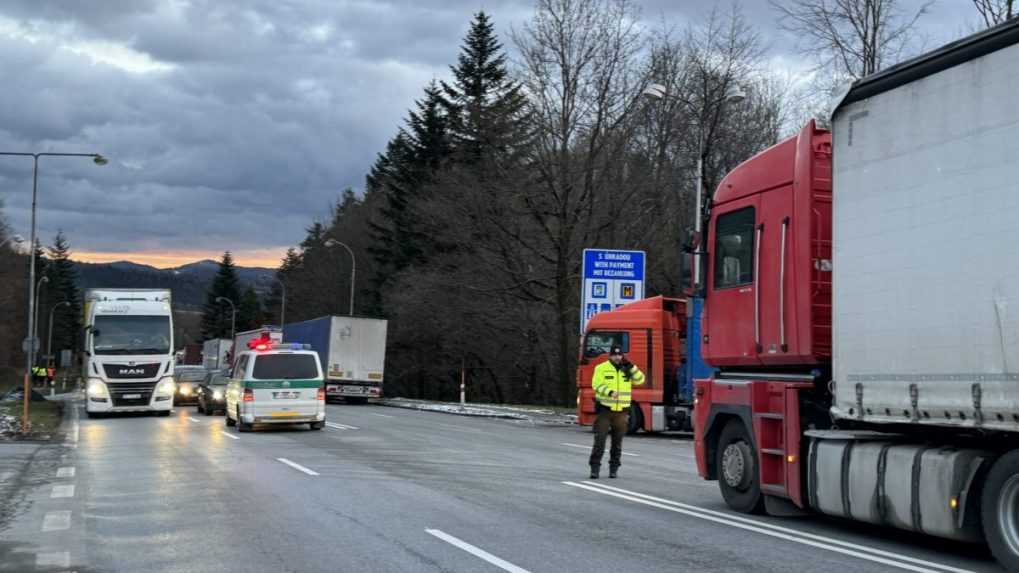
x,y
317,425
635,421
999,510
738,476
198,408
93,415
230,422
164,413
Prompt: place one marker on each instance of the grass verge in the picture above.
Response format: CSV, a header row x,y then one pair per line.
x,y
44,418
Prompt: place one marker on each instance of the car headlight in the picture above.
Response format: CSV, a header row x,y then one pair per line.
x,y
97,389
185,389
217,395
166,386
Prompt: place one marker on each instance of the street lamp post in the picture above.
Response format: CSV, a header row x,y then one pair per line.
x,y
35,326
233,315
733,94
353,269
49,335
99,160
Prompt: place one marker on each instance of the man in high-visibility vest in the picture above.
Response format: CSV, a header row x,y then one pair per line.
x,y
612,382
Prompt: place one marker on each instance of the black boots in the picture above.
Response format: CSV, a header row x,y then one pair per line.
x,y
613,472
594,471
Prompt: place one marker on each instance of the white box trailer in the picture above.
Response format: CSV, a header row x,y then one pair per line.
x,y
926,273
352,350
216,353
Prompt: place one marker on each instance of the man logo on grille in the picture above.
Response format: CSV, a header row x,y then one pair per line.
x,y
129,371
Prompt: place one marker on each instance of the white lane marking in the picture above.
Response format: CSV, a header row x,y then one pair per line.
x,y
336,426
826,543
229,435
788,530
589,448
62,491
67,472
4,476
381,415
56,521
477,552
57,559
297,467
195,420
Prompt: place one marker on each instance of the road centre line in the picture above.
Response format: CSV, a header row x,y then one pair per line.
x,y
62,491
818,541
477,552
297,467
56,521
336,426
381,415
229,435
56,559
589,448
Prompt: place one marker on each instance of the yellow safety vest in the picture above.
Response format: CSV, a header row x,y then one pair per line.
x,y
607,379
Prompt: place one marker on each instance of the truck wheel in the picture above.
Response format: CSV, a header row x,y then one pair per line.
x,y
736,461
636,420
164,413
999,510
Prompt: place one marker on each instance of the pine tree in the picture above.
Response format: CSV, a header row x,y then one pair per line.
x,y
216,316
63,286
249,311
486,108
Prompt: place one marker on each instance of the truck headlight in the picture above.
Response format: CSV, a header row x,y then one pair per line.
x,y
166,386
97,389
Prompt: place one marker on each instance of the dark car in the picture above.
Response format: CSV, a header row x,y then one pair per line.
x,y
212,392
188,378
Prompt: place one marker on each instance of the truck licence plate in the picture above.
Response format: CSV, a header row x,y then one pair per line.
x,y
286,395
132,396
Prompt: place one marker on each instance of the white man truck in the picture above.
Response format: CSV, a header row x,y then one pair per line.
x,y
128,354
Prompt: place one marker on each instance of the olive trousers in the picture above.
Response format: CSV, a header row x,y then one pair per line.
x,y
614,423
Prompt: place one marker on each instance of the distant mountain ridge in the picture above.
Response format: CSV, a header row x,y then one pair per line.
x,y
187,283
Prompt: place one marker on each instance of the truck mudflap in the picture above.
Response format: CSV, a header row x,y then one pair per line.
x,y
881,479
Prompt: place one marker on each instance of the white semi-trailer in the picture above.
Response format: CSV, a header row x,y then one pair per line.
x,y
128,361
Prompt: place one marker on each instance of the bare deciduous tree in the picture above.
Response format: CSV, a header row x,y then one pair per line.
x,y
995,12
850,38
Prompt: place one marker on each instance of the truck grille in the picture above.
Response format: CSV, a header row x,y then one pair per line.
x,y
142,389
123,371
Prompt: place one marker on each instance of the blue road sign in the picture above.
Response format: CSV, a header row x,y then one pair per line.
x,y
611,279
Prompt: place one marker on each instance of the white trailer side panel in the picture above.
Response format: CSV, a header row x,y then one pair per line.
x,y
926,249
357,349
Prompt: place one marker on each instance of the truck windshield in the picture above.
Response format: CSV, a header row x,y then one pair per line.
x,y
599,342
119,334
285,367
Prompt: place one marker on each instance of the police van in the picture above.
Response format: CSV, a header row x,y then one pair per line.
x,y
275,383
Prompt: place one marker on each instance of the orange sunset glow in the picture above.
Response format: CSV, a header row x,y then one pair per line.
x,y
269,258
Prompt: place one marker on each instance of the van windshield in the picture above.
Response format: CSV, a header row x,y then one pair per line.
x,y
120,334
285,367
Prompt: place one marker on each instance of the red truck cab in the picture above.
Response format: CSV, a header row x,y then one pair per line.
x,y
652,334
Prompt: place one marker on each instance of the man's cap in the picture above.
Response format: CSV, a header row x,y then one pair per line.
x,y
615,350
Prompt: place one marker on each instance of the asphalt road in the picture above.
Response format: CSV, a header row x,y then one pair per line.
x,y
386,489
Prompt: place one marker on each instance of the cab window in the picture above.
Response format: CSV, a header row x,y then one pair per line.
x,y
285,367
598,342
734,248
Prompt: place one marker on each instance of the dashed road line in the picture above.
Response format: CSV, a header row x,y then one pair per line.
x,y
67,472
4,476
827,543
381,415
55,559
62,491
297,466
229,435
336,426
476,551
589,448
56,521
195,420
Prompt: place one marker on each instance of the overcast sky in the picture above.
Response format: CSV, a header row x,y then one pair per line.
x,y
233,124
